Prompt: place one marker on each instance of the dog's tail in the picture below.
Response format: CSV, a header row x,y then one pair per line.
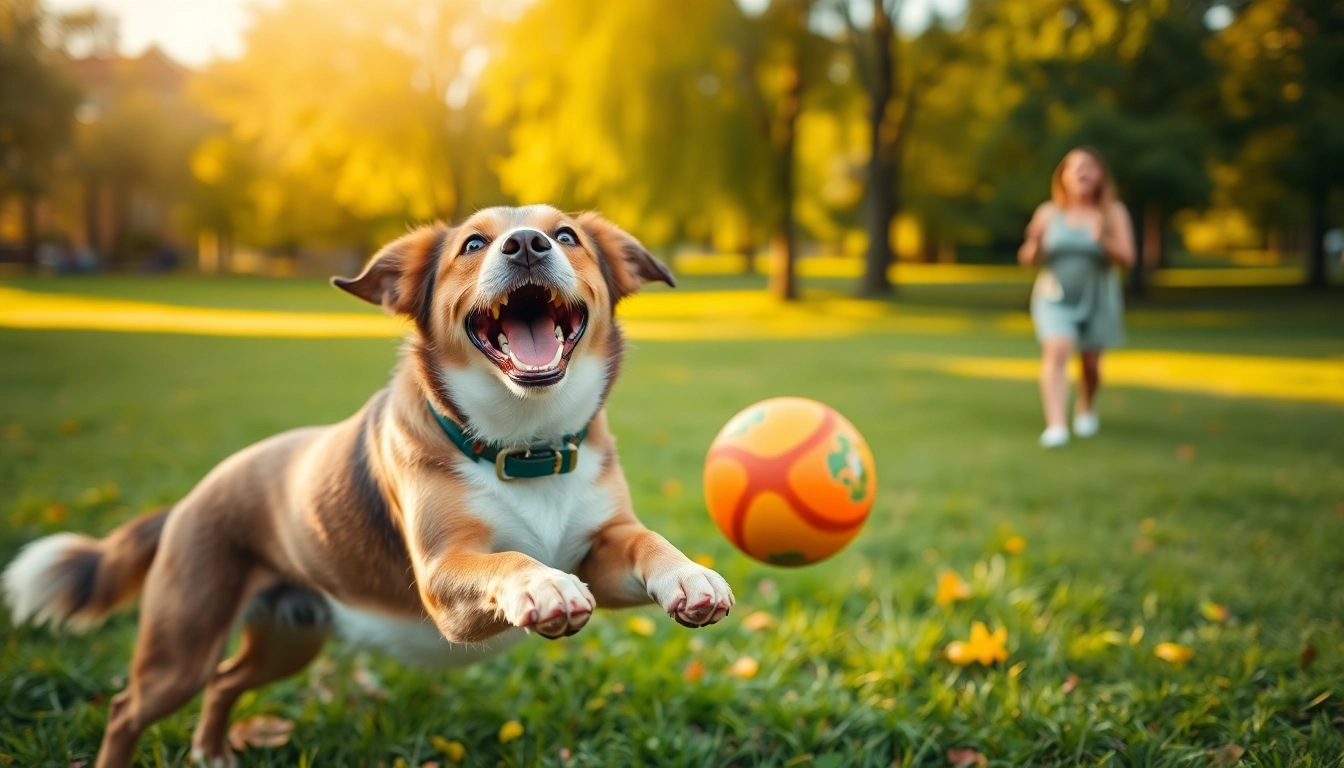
x,y
76,581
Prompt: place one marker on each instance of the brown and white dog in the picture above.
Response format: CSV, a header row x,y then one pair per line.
x,y
390,530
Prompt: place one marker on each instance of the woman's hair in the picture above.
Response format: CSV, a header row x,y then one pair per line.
x,y
1105,191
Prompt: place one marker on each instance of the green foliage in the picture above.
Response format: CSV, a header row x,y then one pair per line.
x,y
37,99
96,426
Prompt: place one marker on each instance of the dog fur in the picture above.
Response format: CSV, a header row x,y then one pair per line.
x,y
379,531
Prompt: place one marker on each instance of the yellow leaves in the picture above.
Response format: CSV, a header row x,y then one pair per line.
x,y
982,647
1215,612
262,731
1014,545
1174,653
641,625
951,588
694,671
510,731
453,750
758,621
744,668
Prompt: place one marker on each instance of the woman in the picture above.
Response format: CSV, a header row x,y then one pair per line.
x,y
1078,238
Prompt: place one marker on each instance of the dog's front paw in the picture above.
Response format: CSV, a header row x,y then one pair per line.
x,y
692,594
551,603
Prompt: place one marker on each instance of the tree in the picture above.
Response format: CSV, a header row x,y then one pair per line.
x,y
896,75
1286,98
37,107
356,118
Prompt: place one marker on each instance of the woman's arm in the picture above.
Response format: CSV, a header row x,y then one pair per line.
x,y
1117,235
1030,252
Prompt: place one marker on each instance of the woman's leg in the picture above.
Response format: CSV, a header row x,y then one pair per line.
x,y
1091,370
1055,354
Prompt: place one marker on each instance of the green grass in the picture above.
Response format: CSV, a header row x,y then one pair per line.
x,y
95,427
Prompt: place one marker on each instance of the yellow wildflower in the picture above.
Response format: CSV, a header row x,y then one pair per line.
x,y
510,731
641,625
982,646
1014,545
951,588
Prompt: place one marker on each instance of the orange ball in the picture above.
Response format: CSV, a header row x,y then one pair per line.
x,y
789,481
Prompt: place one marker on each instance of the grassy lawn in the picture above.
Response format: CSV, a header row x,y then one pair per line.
x,y
1183,505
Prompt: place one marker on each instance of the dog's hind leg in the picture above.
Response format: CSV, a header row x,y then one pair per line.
x,y
284,629
192,596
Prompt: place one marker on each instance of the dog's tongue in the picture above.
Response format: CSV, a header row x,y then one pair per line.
x,y
532,342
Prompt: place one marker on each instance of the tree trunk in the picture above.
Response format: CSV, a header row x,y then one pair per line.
x,y
1318,274
1153,231
881,202
783,251
28,201
748,252
1138,285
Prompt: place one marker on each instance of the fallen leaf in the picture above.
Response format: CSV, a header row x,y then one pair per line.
x,y
1228,754
1308,655
641,625
453,750
1014,545
745,668
1186,452
368,682
705,560
1173,652
758,621
693,672
1070,683
1215,612
962,757
261,731
510,731
951,588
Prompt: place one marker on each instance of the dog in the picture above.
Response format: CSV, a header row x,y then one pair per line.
x,y
474,500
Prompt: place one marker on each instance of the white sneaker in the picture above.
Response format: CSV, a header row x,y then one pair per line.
x,y
1054,437
1085,424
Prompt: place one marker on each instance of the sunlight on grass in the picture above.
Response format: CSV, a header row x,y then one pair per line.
x,y
1282,378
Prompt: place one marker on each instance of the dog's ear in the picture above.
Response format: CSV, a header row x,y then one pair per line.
x,y
625,263
396,278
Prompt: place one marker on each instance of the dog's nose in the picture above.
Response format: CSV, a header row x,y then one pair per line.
x,y
526,247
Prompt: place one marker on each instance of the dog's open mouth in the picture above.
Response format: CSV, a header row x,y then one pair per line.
x,y
529,333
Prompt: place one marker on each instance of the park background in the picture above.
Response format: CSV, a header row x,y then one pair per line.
x,y
840,187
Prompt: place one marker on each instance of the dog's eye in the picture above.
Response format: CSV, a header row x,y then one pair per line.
x,y
566,235
473,244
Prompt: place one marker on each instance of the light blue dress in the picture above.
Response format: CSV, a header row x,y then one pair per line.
x,y
1077,293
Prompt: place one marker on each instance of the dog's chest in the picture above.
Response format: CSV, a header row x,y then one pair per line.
x,y
551,519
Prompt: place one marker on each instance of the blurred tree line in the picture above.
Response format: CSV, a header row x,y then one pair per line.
x,y
730,125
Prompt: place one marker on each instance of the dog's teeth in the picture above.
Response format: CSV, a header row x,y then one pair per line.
x,y
559,334
553,299
504,301
494,311
503,343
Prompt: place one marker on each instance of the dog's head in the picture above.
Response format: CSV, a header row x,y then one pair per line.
x,y
524,294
